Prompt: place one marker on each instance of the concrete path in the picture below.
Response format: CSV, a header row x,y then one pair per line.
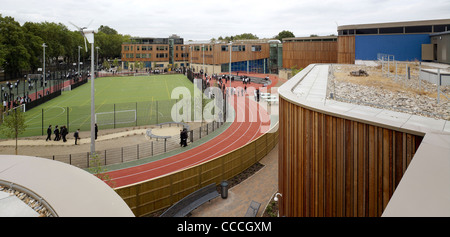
x,y
260,187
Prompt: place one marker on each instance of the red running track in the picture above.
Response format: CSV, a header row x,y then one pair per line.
x,y
250,118
240,132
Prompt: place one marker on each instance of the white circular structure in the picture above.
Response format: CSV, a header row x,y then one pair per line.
x,y
68,190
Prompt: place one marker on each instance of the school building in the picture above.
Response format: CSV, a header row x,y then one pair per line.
x,y
154,52
405,41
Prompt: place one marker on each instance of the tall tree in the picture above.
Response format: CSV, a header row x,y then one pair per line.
x,y
284,34
15,56
14,124
243,36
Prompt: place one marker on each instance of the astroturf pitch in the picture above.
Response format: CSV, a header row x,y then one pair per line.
x,y
119,102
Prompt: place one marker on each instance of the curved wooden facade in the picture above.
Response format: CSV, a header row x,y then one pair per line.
x,y
334,165
331,166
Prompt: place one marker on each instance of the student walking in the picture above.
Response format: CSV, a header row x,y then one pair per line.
x,y
77,136
57,137
64,132
96,131
49,133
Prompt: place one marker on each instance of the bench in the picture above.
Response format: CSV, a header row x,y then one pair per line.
x,y
192,201
253,209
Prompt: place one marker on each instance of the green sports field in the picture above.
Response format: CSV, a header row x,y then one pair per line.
x,y
119,102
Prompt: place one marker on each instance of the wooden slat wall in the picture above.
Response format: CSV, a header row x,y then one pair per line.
x,y
302,54
346,50
335,167
217,56
159,193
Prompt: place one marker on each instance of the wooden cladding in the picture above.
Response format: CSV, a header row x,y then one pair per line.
x,y
346,50
336,167
157,194
302,54
215,56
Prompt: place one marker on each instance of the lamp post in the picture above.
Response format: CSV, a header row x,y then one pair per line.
x,y
203,55
43,61
229,67
79,47
97,55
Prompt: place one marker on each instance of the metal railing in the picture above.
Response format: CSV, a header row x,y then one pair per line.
x,y
149,149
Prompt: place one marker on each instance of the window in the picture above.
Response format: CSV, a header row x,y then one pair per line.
x,y
237,48
161,55
418,29
126,48
224,48
392,30
367,31
161,48
137,48
256,48
441,28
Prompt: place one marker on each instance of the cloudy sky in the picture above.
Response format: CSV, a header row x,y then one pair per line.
x,y
206,19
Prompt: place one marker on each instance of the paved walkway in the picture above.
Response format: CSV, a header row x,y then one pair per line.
x,y
260,187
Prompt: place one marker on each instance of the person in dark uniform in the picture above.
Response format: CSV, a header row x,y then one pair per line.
x,y
184,137
64,133
96,131
49,133
257,94
77,136
57,137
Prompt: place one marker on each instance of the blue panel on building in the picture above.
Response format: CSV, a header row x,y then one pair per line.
x,y
258,66
403,47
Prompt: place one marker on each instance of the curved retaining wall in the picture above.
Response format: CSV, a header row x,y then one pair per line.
x,y
156,194
337,159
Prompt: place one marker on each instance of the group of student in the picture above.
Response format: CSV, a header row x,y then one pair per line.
x,y
58,133
62,133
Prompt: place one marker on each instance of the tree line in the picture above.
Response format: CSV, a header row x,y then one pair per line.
x,y
250,36
21,49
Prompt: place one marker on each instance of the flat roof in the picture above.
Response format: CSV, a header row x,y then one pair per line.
x,y
395,24
313,38
424,188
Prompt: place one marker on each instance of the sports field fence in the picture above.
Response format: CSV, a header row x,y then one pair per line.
x,y
107,116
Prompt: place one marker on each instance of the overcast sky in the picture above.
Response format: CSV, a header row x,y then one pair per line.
x,y
206,19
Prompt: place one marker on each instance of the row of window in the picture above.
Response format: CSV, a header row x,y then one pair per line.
x,y
397,30
149,48
149,55
235,48
157,41
241,48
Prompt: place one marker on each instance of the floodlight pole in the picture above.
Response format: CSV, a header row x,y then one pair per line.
x,y
43,60
79,47
203,65
97,55
92,100
229,67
